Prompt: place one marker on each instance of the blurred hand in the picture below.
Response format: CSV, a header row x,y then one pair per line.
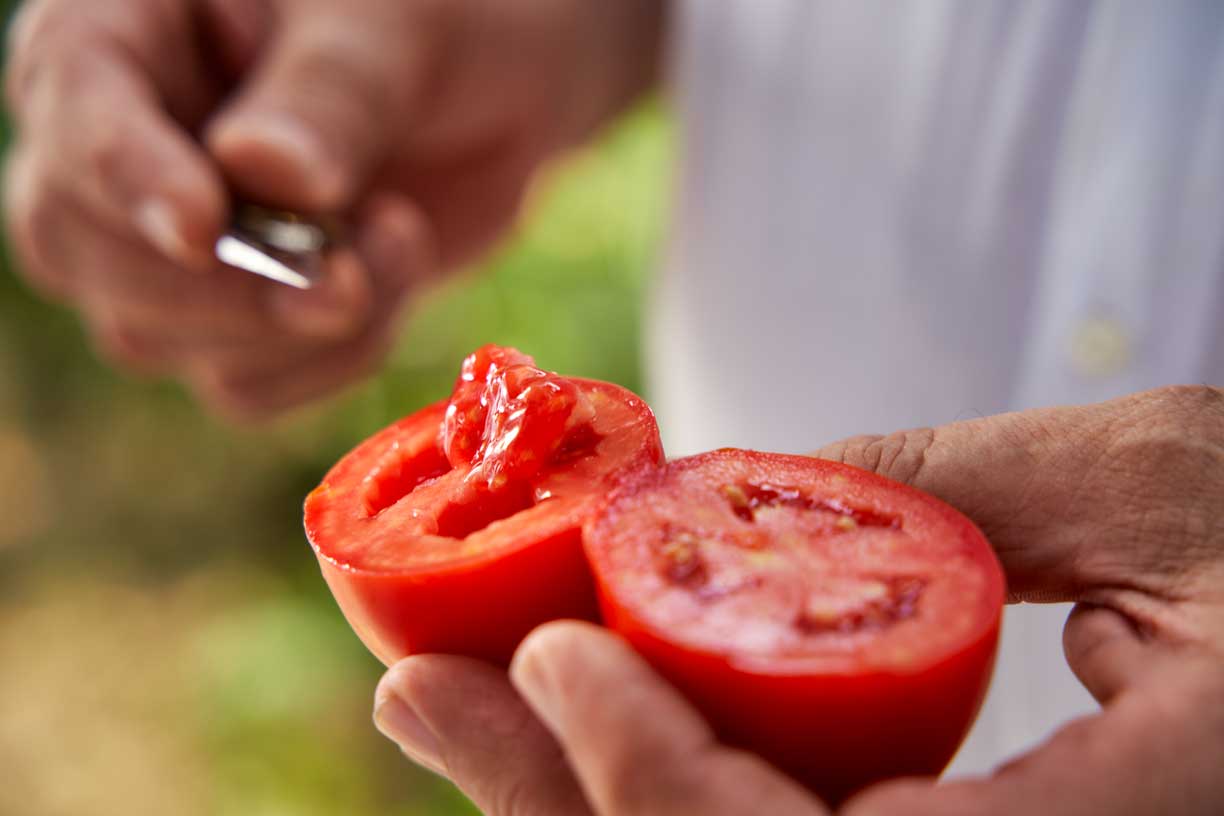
x,y
419,120
1116,506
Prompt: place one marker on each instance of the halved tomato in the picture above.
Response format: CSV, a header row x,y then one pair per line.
x,y
839,624
437,538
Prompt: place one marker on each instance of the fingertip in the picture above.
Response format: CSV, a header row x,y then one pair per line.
x,y
181,209
556,640
396,681
336,309
27,217
1104,649
277,159
395,240
119,346
160,224
556,660
396,718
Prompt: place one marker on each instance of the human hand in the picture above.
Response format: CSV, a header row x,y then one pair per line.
x,y
419,121
1115,506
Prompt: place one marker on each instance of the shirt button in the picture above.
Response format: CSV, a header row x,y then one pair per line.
x,y
1100,347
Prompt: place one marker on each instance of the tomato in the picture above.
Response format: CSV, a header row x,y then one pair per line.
x,y
436,537
839,624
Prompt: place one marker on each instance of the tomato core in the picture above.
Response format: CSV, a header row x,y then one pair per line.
x,y
507,418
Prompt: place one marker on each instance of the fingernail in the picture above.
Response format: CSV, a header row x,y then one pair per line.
x,y
530,675
157,221
400,724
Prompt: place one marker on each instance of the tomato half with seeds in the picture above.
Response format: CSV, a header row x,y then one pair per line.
x,y
839,624
434,541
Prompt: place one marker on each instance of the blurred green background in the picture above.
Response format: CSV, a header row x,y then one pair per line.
x,y
166,643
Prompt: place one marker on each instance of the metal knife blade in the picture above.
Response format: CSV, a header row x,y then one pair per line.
x,y
282,246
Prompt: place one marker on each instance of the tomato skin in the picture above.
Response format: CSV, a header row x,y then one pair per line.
x,y
480,610
835,726
834,733
527,566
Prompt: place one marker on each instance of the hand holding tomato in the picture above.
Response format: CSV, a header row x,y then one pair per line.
x,y
417,121
1115,506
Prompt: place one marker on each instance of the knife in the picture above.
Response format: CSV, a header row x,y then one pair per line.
x,y
282,246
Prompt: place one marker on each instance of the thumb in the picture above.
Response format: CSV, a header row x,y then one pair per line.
x,y
322,108
636,745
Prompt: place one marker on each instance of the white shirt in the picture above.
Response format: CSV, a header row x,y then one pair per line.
x,y
903,214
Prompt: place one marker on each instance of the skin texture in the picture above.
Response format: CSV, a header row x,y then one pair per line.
x,y
418,121
1114,506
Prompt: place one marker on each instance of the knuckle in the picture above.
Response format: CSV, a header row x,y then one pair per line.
x,y
863,451
1194,403
1174,430
34,224
104,153
514,798
121,346
357,68
900,456
226,393
42,33
1161,474
851,451
341,89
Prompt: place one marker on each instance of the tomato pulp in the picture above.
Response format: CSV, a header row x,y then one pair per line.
x,y
839,624
458,528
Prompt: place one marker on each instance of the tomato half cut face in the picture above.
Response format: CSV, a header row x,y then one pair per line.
x,y
839,624
425,553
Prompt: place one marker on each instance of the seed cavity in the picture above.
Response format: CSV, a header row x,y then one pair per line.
x,y
398,473
579,442
681,561
866,605
748,499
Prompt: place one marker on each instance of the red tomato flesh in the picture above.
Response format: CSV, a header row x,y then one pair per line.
x,y
428,549
837,623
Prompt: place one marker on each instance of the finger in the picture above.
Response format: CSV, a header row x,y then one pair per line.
x,y
27,209
1106,651
396,257
145,295
1151,752
399,245
320,113
259,388
461,718
471,199
178,46
635,744
1066,494
133,165
396,254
